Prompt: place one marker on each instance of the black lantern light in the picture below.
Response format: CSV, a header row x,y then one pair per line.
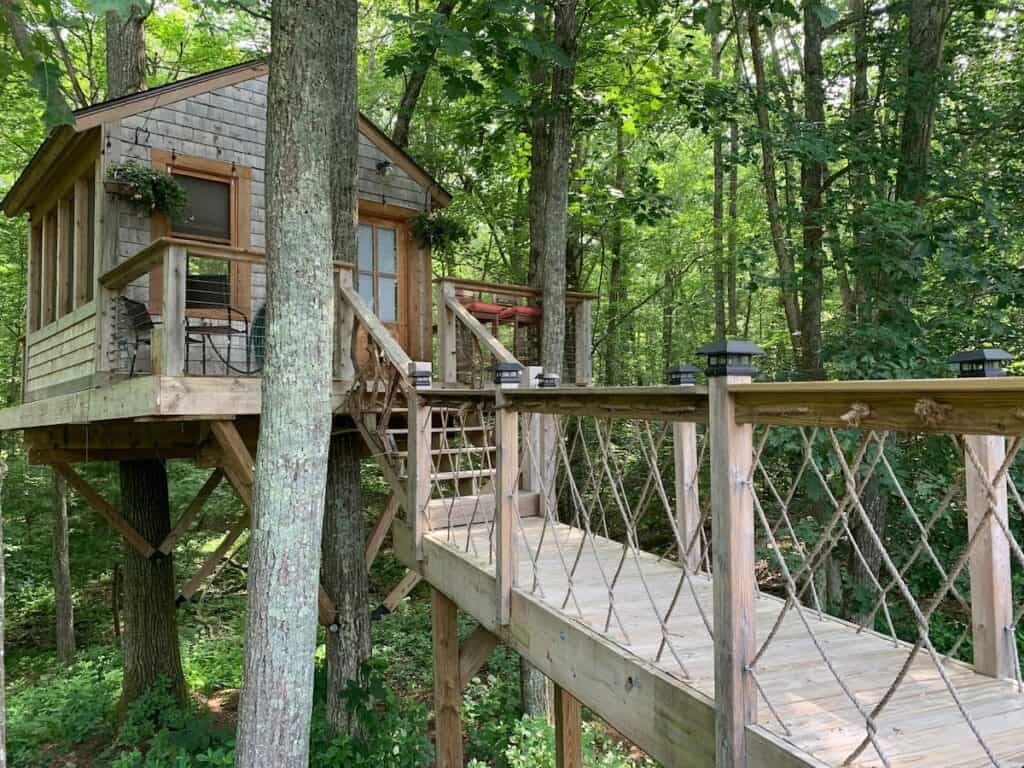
x,y
507,373
548,379
730,358
981,363
682,375
421,379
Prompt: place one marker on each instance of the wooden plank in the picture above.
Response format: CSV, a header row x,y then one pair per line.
x,y
344,327
48,274
216,557
193,509
687,471
60,348
381,336
485,337
517,291
506,491
474,653
447,688
71,373
105,508
401,590
57,361
650,403
239,467
457,511
175,268
419,466
568,730
990,563
584,338
732,547
446,335
61,326
380,529
65,255
35,265
82,289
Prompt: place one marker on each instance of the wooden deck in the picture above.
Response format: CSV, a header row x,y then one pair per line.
x,y
667,710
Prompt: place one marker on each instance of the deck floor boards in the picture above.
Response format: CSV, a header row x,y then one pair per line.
x,y
920,726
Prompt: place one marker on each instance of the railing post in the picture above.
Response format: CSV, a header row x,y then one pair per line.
x,y
584,363
419,468
990,563
684,452
732,537
344,325
173,312
446,338
506,493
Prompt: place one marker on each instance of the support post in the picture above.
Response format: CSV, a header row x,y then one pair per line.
x,y
344,326
380,530
568,730
540,455
506,505
584,362
447,693
446,338
732,535
687,468
991,587
193,509
474,654
173,312
419,469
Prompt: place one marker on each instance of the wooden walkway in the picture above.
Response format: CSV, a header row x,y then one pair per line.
x,y
920,726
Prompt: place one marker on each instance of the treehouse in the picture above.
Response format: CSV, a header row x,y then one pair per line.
x,y
665,555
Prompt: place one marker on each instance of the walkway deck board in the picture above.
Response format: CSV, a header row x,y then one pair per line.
x,y
921,725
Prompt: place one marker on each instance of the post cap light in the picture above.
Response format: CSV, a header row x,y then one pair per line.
x,y
682,375
420,375
507,374
548,379
981,363
730,358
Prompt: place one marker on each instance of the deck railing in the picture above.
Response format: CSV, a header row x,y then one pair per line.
x,y
839,564
481,324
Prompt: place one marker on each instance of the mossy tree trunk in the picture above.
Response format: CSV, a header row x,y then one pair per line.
x,y
150,637
310,42
126,52
62,574
344,577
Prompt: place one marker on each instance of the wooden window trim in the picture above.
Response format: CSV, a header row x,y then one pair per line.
x,y
240,178
65,257
401,228
35,266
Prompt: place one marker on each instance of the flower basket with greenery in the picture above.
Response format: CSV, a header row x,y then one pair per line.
x,y
147,190
438,231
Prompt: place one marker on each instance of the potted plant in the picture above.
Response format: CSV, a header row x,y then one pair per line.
x,y
146,189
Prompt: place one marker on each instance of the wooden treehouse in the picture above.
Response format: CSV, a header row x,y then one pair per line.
x,y
542,511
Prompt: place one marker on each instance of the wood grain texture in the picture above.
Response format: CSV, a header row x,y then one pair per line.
x,y
568,730
447,685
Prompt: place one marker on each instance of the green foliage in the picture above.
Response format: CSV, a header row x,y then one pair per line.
x,y
148,189
438,231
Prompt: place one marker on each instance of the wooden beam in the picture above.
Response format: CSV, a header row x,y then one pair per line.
x,y
83,289
506,491
687,471
457,511
420,466
344,328
380,529
327,611
401,590
990,563
172,329
474,653
732,535
193,509
484,336
584,336
65,256
446,335
239,467
210,564
651,403
381,336
447,689
568,730
105,508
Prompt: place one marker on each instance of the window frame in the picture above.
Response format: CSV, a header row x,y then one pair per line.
x,y
399,275
239,177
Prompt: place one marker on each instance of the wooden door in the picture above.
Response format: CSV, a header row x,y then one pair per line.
x,y
382,272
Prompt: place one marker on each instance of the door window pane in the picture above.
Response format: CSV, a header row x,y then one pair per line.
x,y
366,248
208,210
388,300
386,251
366,288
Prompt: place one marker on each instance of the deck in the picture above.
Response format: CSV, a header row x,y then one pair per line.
x,y
669,714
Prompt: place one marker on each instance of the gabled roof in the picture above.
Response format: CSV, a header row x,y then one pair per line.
x,y
93,116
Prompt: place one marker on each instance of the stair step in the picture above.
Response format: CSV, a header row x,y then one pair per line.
x,y
465,450
465,474
439,430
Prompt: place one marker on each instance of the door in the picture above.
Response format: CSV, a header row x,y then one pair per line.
x,y
381,271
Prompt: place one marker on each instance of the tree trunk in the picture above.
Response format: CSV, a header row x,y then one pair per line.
x,y
734,187
539,168
861,592
62,574
344,577
3,680
668,317
812,177
151,647
617,334
126,52
309,105
556,212
927,28
416,78
787,272
717,200
57,108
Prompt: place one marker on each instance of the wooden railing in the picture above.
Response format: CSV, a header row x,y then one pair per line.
x,y
481,324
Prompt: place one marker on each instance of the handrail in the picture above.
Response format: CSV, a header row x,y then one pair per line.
x,y
493,345
380,335
521,291
667,403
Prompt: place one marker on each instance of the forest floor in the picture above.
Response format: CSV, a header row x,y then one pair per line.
x,y
68,716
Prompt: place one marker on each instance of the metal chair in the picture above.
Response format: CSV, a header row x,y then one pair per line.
x,y
213,292
136,314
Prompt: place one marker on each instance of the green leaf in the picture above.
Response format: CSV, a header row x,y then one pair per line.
x,y
122,8
46,79
713,19
826,15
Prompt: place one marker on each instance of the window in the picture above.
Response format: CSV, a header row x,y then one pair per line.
x,y
377,273
208,213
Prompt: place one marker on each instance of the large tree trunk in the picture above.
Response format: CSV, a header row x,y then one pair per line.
x,y
126,52
417,77
344,577
730,243
307,109
717,205
150,641
539,167
617,334
62,574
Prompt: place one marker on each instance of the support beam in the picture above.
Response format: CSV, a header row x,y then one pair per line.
x,y
475,651
584,333
380,530
401,590
446,334
420,467
172,334
192,511
990,565
447,691
210,564
684,452
506,499
105,508
238,465
568,730
732,527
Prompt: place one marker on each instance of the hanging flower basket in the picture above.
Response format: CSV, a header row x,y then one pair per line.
x,y
147,190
